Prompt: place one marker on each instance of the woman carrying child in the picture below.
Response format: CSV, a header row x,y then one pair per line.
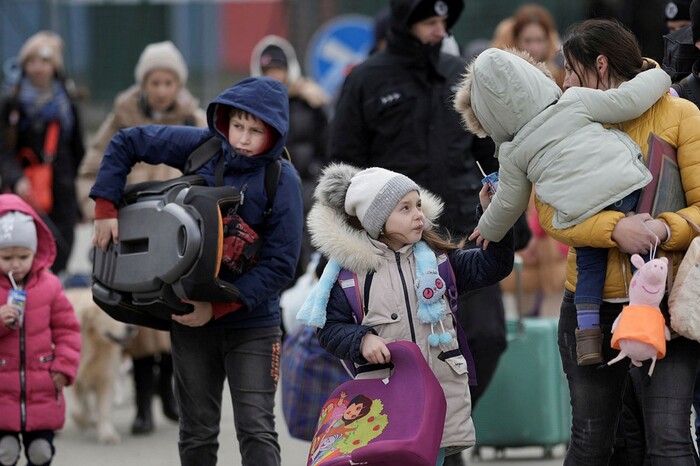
x,y
603,54
378,224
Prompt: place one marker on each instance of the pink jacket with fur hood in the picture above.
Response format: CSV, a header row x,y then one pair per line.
x,y
49,340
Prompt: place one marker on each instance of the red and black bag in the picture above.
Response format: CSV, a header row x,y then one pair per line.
x,y
38,169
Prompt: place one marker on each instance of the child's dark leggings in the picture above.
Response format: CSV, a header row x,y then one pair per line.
x,y
38,447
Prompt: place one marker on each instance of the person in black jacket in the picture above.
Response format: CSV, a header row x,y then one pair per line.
x,y
395,111
689,86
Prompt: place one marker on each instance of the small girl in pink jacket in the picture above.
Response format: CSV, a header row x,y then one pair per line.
x,y
39,337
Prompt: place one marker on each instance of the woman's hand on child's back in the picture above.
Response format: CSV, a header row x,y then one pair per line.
x,y
633,236
202,313
374,349
105,231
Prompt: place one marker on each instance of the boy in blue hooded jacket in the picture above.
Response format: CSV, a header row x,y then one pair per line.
x,y
213,343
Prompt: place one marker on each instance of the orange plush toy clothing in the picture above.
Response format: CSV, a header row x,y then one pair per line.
x,y
640,330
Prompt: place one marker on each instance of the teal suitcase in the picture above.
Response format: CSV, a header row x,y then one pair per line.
x,y
527,402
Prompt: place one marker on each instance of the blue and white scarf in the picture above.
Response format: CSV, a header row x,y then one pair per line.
x,y
46,105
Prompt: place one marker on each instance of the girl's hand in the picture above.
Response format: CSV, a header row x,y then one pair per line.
x,y
9,316
105,231
633,236
374,349
202,313
484,197
59,380
479,239
23,188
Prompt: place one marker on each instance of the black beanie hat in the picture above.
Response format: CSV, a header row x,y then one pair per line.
x,y
677,10
273,57
427,9
695,19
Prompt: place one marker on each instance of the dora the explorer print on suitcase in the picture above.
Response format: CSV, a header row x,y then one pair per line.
x,y
394,418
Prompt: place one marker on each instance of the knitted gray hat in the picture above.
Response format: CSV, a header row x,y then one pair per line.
x,y
373,194
17,230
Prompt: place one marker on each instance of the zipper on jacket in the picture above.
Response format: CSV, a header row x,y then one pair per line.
x,y
22,381
405,296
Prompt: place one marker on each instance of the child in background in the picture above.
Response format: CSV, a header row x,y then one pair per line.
x,y
39,347
159,96
557,142
212,343
377,223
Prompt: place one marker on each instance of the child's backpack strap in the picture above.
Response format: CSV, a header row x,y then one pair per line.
x,y
201,155
448,274
348,282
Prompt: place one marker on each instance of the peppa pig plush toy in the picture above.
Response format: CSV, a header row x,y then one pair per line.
x,y
640,330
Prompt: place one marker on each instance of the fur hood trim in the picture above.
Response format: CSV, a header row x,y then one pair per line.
x,y
339,236
463,97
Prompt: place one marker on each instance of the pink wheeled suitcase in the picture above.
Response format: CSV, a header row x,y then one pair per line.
x,y
396,417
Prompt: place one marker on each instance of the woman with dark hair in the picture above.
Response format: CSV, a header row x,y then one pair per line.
x,y
602,54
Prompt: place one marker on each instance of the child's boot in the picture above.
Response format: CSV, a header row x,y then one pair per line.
x,y
144,385
589,346
165,387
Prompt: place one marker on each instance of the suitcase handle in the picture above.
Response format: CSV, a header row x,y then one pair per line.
x,y
374,367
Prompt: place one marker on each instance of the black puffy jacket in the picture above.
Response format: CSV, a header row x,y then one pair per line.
x,y
395,111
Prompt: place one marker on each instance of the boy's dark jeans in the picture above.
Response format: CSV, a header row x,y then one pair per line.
x,y
203,359
596,398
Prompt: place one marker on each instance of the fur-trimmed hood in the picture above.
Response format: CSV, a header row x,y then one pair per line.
x,y
503,90
339,236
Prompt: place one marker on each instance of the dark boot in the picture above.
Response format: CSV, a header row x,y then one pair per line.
x,y
165,387
589,344
144,385
454,460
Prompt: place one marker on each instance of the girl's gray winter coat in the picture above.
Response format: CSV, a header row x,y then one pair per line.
x,y
552,140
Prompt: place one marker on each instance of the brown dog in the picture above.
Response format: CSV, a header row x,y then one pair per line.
x,y
103,342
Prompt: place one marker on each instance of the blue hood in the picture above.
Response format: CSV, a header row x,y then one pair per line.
x,y
264,98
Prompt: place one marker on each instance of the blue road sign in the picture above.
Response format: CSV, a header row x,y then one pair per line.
x,y
339,44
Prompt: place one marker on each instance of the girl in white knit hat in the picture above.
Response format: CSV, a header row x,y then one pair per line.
x,y
378,224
